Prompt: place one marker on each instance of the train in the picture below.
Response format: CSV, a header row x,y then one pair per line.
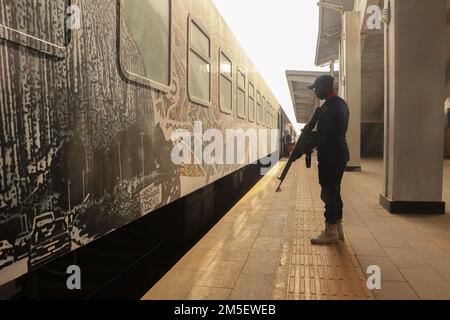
x,y
92,93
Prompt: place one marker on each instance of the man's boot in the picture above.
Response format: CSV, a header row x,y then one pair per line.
x,y
329,236
340,230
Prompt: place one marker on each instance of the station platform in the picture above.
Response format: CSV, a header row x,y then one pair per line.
x,y
260,250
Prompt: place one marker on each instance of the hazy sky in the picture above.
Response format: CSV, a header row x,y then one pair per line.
x,y
277,36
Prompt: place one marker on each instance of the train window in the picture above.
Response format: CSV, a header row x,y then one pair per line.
x,y
38,24
278,118
240,94
200,41
145,50
273,118
263,111
226,84
269,116
251,102
258,107
199,77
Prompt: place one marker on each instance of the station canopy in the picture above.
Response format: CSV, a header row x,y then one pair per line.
x,y
330,29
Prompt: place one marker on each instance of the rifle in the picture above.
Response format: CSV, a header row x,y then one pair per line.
x,y
301,147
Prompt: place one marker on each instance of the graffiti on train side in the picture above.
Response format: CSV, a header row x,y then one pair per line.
x,y
83,149
150,198
81,153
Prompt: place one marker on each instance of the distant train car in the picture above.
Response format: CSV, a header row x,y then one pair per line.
x,y
91,94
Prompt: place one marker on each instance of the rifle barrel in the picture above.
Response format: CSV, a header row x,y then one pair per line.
x,y
299,149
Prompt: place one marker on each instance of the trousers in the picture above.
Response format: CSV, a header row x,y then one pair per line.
x,y
330,178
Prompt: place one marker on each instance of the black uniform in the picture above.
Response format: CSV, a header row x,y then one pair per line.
x,y
332,154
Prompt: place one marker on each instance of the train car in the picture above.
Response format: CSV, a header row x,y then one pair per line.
x,y
95,96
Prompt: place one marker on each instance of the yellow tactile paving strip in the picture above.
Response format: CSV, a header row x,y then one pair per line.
x,y
310,272
261,250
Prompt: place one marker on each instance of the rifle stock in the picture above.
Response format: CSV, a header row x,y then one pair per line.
x,y
301,147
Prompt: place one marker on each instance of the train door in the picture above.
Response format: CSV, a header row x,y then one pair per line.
x,y
280,130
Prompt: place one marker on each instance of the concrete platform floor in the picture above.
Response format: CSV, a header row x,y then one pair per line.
x,y
261,248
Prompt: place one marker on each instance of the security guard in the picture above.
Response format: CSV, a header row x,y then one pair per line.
x,y
332,154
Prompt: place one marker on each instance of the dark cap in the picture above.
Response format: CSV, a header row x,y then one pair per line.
x,y
324,80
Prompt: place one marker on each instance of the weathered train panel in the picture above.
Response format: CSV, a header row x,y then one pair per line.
x,y
84,148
